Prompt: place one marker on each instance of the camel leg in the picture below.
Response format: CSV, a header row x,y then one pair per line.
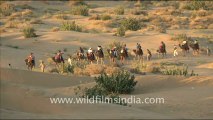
x,y
102,61
97,60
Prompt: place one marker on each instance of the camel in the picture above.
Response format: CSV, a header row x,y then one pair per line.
x,y
99,56
138,53
123,55
184,48
112,55
29,64
90,57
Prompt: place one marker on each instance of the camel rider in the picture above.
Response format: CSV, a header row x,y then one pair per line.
x,y
100,51
31,58
138,46
81,50
184,42
124,49
59,56
90,52
162,46
115,51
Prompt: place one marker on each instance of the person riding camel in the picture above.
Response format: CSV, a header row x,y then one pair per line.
x,y
124,50
196,44
81,50
138,47
59,56
100,51
162,47
115,51
31,58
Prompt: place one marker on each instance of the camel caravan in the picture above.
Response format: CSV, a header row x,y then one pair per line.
x,y
122,53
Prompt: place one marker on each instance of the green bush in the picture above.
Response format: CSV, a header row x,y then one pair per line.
x,y
121,31
29,32
121,82
108,87
80,10
182,71
66,26
119,10
131,24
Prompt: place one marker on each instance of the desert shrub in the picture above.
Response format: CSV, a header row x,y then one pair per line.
x,y
29,32
110,70
105,17
131,24
99,94
138,12
119,10
93,69
63,68
27,13
121,82
199,13
100,17
116,44
121,31
6,9
161,29
11,24
66,26
54,70
108,87
138,68
196,5
182,71
80,10
95,17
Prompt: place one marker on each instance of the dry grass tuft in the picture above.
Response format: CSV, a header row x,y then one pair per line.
x,y
93,69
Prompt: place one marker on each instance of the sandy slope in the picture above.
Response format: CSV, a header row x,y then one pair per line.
x,y
25,94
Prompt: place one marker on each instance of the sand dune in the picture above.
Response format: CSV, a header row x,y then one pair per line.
x,y
31,91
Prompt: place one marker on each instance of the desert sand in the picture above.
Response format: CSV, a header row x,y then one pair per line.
x,y
25,94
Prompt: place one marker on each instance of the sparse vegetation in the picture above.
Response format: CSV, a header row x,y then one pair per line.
x,y
121,31
131,24
119,10
180,37
80,10
29,32
66,26
197,4
6,9
110,86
